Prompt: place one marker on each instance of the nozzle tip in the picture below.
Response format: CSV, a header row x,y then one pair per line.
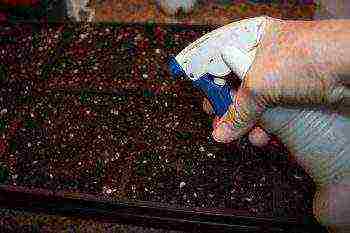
x,y
175,69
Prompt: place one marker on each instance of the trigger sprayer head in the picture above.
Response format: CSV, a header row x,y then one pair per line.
x,y
175,69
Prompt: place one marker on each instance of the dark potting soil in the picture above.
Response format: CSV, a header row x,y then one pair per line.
x,y
93,109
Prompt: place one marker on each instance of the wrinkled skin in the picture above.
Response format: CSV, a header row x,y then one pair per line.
x,y
300,63
310,70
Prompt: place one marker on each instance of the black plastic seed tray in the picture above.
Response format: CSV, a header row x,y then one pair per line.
x,y
148,214
92,113
138,212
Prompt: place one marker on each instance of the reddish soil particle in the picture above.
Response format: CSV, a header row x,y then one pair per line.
x,y
3,146
14,125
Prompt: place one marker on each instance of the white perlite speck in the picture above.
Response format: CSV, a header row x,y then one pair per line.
x,y
182,184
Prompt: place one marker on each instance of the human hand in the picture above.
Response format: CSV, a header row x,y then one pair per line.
x,y
314,136
257,136
319,141
300,63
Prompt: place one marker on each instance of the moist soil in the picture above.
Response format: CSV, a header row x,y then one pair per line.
x,y
93,109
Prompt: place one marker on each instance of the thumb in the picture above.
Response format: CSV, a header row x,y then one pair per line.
x,y
239,119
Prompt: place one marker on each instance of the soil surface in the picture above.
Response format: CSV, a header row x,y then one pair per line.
x,y
93,109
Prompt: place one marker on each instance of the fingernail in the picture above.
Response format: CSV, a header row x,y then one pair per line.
x,y
258,137
223,133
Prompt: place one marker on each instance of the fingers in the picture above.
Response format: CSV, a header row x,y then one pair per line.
x,y
239,119
258,137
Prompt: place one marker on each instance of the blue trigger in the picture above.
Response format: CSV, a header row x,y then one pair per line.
x,y
175,69
219,96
